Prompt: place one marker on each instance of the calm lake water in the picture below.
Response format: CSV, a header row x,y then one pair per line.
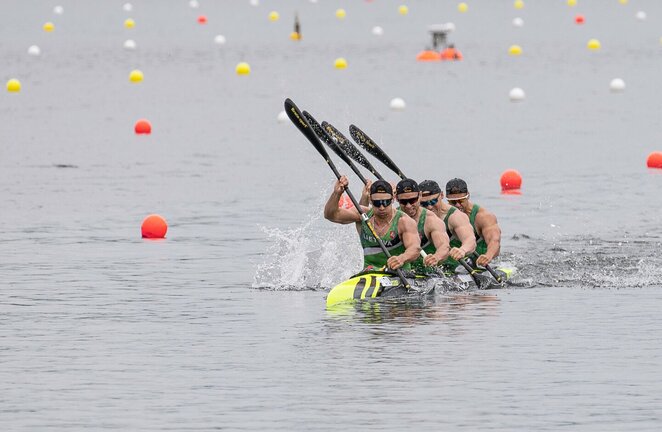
x,y
223,324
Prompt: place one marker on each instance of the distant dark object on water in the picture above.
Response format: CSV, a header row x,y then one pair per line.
x,y
65,166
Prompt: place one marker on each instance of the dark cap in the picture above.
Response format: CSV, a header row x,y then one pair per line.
x,y
456,186
406,185
429,187
381,186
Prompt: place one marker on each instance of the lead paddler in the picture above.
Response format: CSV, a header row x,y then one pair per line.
x,y
394,227
431,229
485,225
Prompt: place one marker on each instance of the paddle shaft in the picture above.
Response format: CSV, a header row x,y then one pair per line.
x,y
349,148
297,118
489,268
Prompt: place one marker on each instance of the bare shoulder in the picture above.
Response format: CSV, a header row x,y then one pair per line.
x,y
485,217
433,221
406,222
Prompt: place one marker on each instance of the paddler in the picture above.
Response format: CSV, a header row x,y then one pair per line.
x,y
458,227
393,226
431,229
484,223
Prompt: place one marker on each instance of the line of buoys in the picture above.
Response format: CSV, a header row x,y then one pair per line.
x,y
243,68
617,85
154,227
516,95
340,63
654,160
143,127
511,180
13,85
136,76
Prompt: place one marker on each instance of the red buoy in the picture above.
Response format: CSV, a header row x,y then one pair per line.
x,y
143,127
579,19
202,19
654,160
154,227
511,180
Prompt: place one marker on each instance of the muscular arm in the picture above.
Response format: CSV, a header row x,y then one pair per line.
x,y
365,195
412,242
460,225
488,228
336,214
435,229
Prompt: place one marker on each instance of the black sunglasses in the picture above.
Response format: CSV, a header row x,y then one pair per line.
x,y
382,202
405,201
430,203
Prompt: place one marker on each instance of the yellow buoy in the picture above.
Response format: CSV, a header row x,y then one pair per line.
x,y
515,50
49,27
403,10
136,76
13,85
519,4
129,23
295,36
340,13
340,63
274,16
243,69
463,7
593,44
572,3
623,2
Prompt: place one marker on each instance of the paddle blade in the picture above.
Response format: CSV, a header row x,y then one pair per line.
x,y
321,133
300,122
349,148
371,147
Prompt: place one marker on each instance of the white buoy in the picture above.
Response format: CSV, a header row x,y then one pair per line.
x,y
58,10
641,16
517,95
617,85
398,104
128,7
34,50
518,22
313,1
219,40
377,31
282,117
255,2
129,44
194,4
450,27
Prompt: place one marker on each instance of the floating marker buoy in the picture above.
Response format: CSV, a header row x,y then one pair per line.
x,y
295,36
219,40
58,10
518,22
13,85
515,50
282,117
617,85
128,7
377,31
345,202
34,50
136,76
579,19
511,180
623,2
243,69
274,16
654,160
129,23
518,4
517,95
154,227
641,16
463,7
403,10
193,4
572,3
129,44
340,13
255,2
340,63
143,127
49,27
593,44
202,19
428,55
397,104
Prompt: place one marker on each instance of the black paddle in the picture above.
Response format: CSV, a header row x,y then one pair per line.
x,y
489,268
297,118
349,148
371,147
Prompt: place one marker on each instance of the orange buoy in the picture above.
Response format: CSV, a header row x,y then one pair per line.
x,y
654,160
579,19
345,202
428,55
143,127
451,53
202,19
511,180
154,227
